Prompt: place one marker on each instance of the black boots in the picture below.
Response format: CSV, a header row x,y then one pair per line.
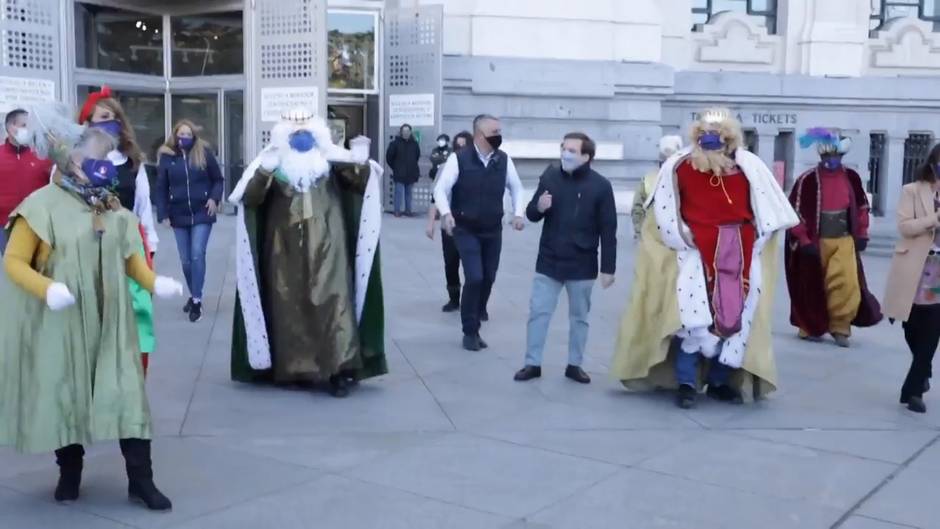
x,y
685,398
454,304
140,486
70,460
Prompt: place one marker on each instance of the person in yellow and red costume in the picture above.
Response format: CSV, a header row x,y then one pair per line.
x,y
707,259
825,277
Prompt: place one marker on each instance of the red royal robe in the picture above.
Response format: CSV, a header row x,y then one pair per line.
x,y
704,207
806,279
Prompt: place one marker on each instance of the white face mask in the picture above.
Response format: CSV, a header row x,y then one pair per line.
x,y
570,162
442,143
22,136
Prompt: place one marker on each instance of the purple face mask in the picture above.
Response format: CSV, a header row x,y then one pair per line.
x,y
710,141
832,163
112,127
186,143
100,173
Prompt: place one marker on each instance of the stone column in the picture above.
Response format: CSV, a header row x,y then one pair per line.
x,y
892,172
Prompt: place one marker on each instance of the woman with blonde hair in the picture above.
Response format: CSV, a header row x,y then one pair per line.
x,y
189,190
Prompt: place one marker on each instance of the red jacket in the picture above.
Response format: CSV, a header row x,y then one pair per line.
x,y
21,173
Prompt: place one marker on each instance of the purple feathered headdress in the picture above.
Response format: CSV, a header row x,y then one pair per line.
x,y
827,141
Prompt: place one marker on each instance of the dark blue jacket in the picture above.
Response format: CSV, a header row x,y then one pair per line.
x,y
583,216
183,190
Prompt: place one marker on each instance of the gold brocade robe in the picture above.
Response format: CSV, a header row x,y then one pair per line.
x,y
644,358
306,278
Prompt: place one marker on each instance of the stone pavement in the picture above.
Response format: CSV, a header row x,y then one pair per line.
x,y
448,440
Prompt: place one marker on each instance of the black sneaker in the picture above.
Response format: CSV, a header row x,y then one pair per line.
x,y
452,306
916,405
484,316
195,313
188,306
685,399
339,387
724,393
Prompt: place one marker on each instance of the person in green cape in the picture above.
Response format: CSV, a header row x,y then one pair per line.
x,y
309,289
70,368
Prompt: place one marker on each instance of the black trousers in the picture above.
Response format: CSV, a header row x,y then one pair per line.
x,y
451,264
922,333
479,253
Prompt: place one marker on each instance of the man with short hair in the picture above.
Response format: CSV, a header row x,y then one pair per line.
x,y
21,171
579,210
469,195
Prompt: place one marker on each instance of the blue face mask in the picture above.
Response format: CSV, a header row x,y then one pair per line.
x,y
112,127
100,173
186,143
832,163
710,141
302,141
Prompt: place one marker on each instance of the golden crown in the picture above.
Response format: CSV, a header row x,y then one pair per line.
x,y
715,116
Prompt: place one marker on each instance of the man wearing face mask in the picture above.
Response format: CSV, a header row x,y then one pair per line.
x,y
578,207
706,265
825,277
21,171
469,195
402,157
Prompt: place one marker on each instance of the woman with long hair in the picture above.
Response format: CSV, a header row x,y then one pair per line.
x,y
132,187
913,292
189,190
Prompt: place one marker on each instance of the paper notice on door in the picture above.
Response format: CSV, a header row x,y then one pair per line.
x,y
18,92
277,100
416,110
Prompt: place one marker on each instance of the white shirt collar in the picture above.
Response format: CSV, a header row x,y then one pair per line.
x,y
485,158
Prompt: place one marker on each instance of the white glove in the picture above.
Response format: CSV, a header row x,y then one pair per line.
x,y
58,297
167,287
360,149
270,159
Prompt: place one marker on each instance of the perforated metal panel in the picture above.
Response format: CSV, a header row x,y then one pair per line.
x,y
289,51
413,49
29,44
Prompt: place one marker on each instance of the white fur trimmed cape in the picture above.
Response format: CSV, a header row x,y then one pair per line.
x,y
370,222
772,213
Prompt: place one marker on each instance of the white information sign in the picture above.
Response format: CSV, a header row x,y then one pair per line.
x,y
275,101
416,110
22,91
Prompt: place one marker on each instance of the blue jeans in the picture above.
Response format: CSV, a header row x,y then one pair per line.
x,y
3,240
545,291
687,369
191,242
402,194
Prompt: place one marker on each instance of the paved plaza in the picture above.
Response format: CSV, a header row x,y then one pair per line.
x,y
449,441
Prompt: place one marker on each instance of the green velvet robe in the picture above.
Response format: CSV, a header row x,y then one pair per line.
x,y
304,255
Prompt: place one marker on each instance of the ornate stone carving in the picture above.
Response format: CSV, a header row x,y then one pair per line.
x,y
736,38
907,44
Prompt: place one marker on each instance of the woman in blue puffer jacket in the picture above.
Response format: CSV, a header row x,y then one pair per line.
x,y
188,193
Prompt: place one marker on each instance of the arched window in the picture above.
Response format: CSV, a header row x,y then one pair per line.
x,y
883,11
704,10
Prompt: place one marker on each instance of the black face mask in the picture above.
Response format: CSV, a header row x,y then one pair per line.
x,y
495,141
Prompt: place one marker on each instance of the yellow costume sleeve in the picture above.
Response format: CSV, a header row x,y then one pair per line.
x,y
21,252
137,269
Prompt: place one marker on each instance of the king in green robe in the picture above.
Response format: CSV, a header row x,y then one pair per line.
x,y
309,303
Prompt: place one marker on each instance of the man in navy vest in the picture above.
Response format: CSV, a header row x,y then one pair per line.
x,y
469,195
